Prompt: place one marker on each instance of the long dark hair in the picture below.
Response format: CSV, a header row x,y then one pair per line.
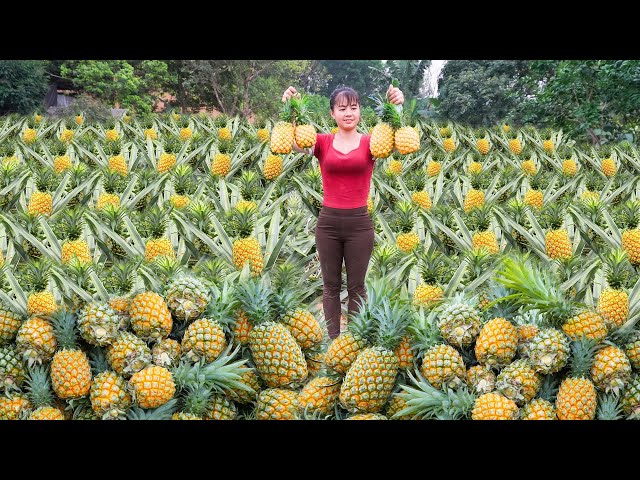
x,y
347,93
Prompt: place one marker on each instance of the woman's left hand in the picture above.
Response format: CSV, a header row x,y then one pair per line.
x,y
395,95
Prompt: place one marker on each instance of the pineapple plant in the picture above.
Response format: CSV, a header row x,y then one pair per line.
x,y
480,222
547,144
434,269
272,167
627,216
168,158
407,239
157,244
613,303
41,200
71,226
221,162
41,301
70,368
483,144
246,248
557,242
515,143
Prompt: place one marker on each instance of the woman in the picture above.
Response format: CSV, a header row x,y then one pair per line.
x,y
344,230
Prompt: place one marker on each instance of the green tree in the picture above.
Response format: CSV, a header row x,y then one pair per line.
x,y
410,75
23,85
480,92
135,85
364,76
594,99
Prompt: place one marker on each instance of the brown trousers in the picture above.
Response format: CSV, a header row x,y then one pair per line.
x,y
343,234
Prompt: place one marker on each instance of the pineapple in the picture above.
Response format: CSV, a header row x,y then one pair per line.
x,y
394,406
150,316
187,298
98,323
421,199
40,397
70,369
433,168
534,198
12,369
278,357
611,369
631,398
272,167
404,352
473,199
29,136
152,387
480,222
481,379
128,354
613,303
482,144
246,248
118,164
587,323
395,167
71,226
158,244
242,328
443,366
168,157
283,134
569,167
407,240
263,135
107,199
367,416
459,321
369,381
304,131
493,406
220,408
36,341
628,217
609,167
557,242
304,327
539,409
515,144
109,396
278,404
9,324
166,353
320,395
474,168
204,339
382,140
449,145
577,398
251,380
519,382
221,163
14,406
548,144
497,343
66,135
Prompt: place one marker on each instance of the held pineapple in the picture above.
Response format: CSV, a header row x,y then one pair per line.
x,y
382,140
282,134
70,369
304,131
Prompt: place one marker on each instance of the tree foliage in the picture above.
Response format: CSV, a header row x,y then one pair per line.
x,y
362,75
23,85
479,92
135,85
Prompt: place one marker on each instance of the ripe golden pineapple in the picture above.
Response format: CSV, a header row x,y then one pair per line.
x,y
166,162
486,239
367,416
150,133
609,167
482,144
263,135
407,240
382,141
221,164
304,327
107,199
29,136
9,324
203,339
277,404
118,164
14,406
473,199
587,323
631,245
305,135
244,205
395,167
558,244
152,387
40,203
320,395
112,135
278,358
538,409
220,408
224,134
442,366
246,248
343,350
474,168
547,144
613,303
407,140
433,168
36,340
185,134
273,165
249,378
515,146
70,369
66,135
576,399
449,145
61,164
179,201
534,198
427,294
158,247
109,396
569,167
493,406
404,352
242,328
78,249
394,406
422,199
150,316
496,343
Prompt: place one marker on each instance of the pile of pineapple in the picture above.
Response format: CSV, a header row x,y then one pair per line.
x,y
165,268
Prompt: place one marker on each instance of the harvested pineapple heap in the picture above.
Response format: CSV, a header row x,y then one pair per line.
x,y
165,267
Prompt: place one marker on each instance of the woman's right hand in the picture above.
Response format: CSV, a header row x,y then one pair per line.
x,y
288,93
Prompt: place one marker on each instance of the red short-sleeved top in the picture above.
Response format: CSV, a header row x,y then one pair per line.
x,y
345,177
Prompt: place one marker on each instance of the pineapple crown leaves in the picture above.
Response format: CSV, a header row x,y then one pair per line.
x,y
427,402
223,375
287,113
549,388
171,144
618,270
405,216
497,306
213,269
98,361
478,261
609,407
38,386
552,215
256,299
424,331
434,266
36,274
384,258
112,181
286,275
71,222
250,184
223,306
627,215
534,289
155,221
64,327
582,356
195,398
392,318
45,179
183,179
240,223
163,412
122,276
479,219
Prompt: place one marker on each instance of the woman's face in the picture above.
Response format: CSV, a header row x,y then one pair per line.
x,y
346,116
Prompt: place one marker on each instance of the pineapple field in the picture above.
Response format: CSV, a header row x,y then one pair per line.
x,y
165,268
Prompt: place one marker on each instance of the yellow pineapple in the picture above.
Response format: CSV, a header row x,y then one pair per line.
x,y
14,406
107,199
496,343
481,379
152,387
442,366
203,339
112,135
319,395
246,248
569,167
273,165
150,316
475,167
577,397
67,135
529,167
534,198
407,239
395,167
40,397
40,203
185,134
128,354
263,135
493,406
609,167
515,145
473,199
613,303
433,168
278,404
427,294
118,164
483,146
587,323
407,140
242,328
29,136
382,141
519,382
539,409
61,164
179,201
449,145
611,369
150,133
109,396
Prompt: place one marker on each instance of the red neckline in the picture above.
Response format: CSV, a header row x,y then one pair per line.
x,y
333,137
